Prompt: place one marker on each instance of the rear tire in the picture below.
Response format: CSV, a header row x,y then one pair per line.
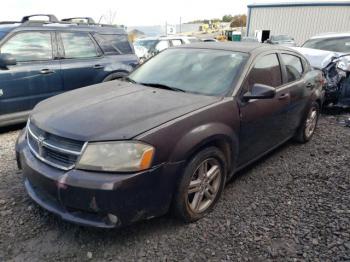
x,y
201,185
309,124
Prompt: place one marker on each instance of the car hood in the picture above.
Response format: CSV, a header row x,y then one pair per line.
x,y
317,58
113,111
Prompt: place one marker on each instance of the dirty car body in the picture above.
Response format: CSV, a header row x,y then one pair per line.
x,y
173,119
331,54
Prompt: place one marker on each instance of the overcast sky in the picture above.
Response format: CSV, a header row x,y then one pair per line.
x,y
128,12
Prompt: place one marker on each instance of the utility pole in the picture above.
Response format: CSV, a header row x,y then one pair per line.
x,y
166,28
180,25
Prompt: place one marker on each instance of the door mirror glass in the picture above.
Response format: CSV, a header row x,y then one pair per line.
x,y
260,91
7,60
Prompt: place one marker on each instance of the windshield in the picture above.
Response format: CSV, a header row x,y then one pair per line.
x,y
339,44
203,71
148,44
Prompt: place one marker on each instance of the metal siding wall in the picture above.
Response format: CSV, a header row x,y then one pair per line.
x,y
300,22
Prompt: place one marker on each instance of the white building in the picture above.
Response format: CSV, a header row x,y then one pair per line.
x,y
300,20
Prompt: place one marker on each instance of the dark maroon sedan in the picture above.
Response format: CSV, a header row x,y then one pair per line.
x,y
170,135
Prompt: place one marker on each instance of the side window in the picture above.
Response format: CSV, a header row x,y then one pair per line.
x,y
176,42
29,46
293,66
78,45
114,44
266,71
163,44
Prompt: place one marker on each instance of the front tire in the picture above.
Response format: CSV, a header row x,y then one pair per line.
x,y
308,126
201,185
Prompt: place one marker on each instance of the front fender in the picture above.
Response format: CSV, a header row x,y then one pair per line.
x,y
202,135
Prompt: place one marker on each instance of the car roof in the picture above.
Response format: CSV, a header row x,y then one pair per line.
x,y
15,26
331,34
245,47
8,27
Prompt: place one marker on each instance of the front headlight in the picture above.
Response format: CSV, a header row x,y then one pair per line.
x,y
121,156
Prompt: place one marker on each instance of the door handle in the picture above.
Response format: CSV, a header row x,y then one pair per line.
x,y
283,96
310,85
46,71
98,66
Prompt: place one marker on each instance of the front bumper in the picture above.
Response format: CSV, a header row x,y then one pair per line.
x,y
97,199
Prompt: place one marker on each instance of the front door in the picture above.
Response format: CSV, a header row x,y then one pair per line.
x,y
35,77
263,121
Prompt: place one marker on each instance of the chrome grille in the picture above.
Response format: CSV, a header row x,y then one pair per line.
x,y
54,150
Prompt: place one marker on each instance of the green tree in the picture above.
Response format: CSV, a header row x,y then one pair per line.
x,y
238,20
227,18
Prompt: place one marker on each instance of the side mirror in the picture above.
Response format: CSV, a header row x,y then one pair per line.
x,y
260,91
7,60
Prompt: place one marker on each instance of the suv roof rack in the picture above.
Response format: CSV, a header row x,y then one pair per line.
x,y
88,20
52,18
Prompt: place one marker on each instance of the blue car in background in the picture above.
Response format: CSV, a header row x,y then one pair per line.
x,y
40,59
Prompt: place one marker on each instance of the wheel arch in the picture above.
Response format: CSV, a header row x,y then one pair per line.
x,y
215,134
115,75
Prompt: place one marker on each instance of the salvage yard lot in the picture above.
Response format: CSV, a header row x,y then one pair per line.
x,y
293,204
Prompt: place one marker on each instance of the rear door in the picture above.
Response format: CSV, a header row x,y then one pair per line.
x,y
263,121
81,60
36,75
299,84
118,52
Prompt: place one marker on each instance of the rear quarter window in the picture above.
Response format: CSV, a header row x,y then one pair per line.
x,y
114,44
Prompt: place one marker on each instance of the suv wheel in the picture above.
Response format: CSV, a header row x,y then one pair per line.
x,y
308,127
201,185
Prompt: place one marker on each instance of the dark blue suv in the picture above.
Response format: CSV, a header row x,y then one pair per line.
x,y
39,59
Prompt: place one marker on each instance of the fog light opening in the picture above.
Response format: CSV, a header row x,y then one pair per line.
x,y
113,218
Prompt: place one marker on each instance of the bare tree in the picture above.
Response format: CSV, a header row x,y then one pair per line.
x,y
110,16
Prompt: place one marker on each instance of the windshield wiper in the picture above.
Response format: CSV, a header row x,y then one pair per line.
x,y
128,79
156,85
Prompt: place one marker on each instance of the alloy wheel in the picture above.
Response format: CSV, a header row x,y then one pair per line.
x,y
311,122
204,185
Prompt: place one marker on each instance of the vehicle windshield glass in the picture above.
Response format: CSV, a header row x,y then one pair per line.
x,y
339,44
202,71
281,38
148,44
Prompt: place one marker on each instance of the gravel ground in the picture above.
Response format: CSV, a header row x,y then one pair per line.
x,y
293,205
